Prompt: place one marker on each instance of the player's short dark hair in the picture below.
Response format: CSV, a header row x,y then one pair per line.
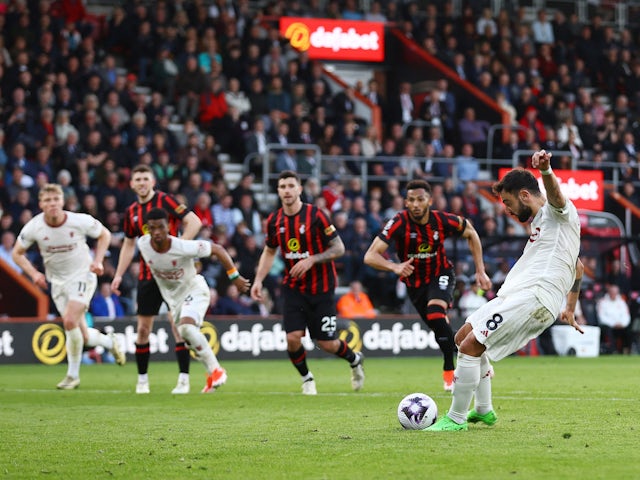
x,y
289,174
142,168
157,214
516,180
417,184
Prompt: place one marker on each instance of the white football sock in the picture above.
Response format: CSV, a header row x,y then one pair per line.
x,y
97,338
198,342
467,376
482,402
74,344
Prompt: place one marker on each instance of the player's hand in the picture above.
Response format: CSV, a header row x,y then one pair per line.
x,y
115,284
301,267
405,269
570,318
541,160
97,268
483,281
242,283
40,280
256,291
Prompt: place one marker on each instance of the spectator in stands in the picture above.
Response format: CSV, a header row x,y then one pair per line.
x,y
614,320
468,168
355,303
191,82
473,131
105,303
7,241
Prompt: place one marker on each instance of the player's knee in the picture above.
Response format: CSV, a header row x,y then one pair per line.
x,y
188,332
144,328
462,333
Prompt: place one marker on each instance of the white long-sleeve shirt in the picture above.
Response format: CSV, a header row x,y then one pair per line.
x,y
613,311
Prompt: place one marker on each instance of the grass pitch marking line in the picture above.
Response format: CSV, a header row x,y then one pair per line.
x,y
296,394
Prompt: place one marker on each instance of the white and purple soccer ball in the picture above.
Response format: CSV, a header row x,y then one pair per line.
x,y
417,411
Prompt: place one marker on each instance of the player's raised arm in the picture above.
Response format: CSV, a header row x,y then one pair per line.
x,y
542,161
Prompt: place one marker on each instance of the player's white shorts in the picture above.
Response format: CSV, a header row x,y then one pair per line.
x,y
506,324
79,288
194,305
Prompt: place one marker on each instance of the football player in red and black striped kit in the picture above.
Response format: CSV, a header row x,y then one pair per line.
x,y
148,298
418,234
309,244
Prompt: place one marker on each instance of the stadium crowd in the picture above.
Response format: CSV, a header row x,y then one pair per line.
x,y
183,85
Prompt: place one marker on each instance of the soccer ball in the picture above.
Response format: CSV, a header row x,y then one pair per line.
x,y
417,411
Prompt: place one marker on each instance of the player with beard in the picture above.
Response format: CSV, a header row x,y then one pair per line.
x,y
418,235
309,244
531,297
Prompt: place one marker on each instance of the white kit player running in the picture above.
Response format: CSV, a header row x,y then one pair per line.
x,y
171,260
530,298
61,237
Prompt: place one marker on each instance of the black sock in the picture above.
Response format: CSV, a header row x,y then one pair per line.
x,y
143,353
345,352
183,356
437,322
299,360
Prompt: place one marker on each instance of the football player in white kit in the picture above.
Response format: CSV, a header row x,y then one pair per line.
x,y
530,298
171,260
61,237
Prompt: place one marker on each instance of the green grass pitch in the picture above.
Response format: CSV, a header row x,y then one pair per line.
x,y
559,418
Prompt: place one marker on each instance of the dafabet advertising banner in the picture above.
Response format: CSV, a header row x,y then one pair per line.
x,y
231,338
326,39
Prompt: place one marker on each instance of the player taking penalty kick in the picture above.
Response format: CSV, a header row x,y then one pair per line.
x,y
171,260
530,298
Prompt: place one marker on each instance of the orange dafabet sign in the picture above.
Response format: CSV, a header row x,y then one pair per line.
x,y
335,39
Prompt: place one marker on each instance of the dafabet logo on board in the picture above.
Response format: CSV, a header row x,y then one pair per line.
x,y
335,39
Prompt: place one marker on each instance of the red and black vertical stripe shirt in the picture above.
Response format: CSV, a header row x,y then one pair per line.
x,y
135,221
423,243
299,236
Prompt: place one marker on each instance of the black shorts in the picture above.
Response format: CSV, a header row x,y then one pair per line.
x,y
148,297
439,288
315,312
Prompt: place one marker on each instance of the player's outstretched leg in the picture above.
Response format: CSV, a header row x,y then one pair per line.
x,y
217,376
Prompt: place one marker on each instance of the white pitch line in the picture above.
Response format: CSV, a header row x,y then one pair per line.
x,y
333,394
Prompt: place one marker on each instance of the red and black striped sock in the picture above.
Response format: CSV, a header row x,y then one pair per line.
x,y
183,357
299,360
143,353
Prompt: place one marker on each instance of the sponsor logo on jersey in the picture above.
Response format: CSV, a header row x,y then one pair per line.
x,y
176,274
329,230
293,244
61,248
180,208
